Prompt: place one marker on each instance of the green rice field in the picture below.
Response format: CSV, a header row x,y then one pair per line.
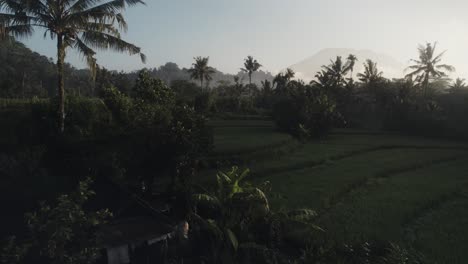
x,y
366,186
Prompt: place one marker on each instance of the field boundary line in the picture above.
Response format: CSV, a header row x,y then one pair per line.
x,y
362,184
410,224
319,162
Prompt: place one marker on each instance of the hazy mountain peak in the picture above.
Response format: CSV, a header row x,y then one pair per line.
x,y
307,68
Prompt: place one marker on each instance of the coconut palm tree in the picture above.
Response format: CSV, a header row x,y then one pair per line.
x,y
428,66
458,85
282,79
250,66
351,62
323,80
200,70
337,71
83,25
289,74
371,74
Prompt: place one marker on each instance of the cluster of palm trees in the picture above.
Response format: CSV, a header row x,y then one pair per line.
x,y
428,67
202,71
86,25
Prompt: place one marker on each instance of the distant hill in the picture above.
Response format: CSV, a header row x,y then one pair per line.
x,y
307,68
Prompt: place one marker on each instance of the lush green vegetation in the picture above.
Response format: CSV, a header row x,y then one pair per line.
x,y
372,186
336,170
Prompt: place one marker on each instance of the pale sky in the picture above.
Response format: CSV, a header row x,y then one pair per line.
x,y
280,33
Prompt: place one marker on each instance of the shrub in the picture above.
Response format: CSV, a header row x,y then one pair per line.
x,y
305,113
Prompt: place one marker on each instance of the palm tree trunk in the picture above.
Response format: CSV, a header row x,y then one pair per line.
x,y
250,79
201,83
23,83
426,84
61,83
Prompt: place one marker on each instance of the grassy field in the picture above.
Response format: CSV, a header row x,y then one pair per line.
x,y
244,136
366,186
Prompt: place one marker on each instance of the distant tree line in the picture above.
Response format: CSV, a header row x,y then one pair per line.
x,y
27,74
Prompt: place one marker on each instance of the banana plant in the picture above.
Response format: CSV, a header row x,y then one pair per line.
x,y
238,203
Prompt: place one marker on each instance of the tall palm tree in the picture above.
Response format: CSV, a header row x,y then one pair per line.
x,y
337,71
200,70
428,66
250,66
371,74
289,74
351,62
83,25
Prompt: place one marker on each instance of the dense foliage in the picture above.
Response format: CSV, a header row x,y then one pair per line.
x,y
151,137
64,232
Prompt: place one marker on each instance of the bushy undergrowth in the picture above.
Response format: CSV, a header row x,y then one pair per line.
x,y
305,112
132,139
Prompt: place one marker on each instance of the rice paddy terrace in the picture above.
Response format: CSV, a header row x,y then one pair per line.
x,y
365,185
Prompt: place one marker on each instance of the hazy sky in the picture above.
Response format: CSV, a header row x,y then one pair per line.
x,y
282,32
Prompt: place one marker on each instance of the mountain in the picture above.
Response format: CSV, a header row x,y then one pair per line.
x,y
307,68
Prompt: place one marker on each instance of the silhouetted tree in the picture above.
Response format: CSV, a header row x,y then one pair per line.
x,y
428,66
282,79
79,24
250,66
323,80
337,71
201,70
458,85
351,63
371,74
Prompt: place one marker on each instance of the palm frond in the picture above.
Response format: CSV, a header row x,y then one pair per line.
x,y
415,72
438,57
244,174
104,13
100,27
18,31
105,41
87,53
446,67
15,19
82,5
198,198
414,67
232,239
12,6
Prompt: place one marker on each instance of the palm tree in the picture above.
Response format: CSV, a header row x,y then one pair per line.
x,y
428,66
200,70
351,63
84,25
371,74
250,66
289,74
337,71
323,80
458,85
282,79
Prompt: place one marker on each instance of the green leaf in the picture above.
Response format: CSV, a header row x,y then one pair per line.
x,y
244,174
302,214
205,198
232,239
